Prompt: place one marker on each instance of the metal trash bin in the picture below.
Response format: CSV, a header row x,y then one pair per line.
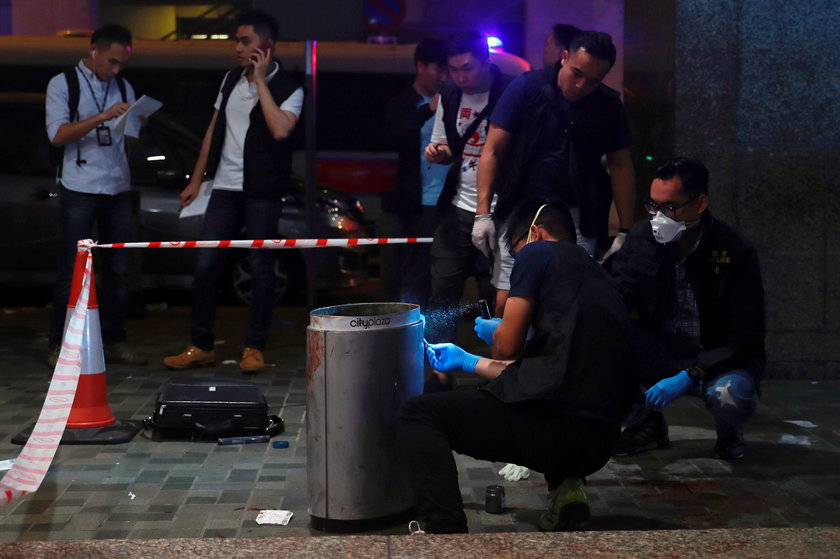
x,y
362,362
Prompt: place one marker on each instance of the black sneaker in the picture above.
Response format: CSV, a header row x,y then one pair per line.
x,y
121,352
730,447
51,356
649,434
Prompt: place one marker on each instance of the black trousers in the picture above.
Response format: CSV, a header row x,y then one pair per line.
x,y
407,269
476,423
454,260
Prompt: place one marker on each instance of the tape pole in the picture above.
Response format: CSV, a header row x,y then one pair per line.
x,y
31,466
272,243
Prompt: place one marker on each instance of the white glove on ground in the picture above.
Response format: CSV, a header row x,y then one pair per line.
x,y
484,233
512,472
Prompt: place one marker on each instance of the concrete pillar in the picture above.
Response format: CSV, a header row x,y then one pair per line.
x,y
756,98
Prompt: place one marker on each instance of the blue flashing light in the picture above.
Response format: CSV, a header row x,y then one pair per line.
x,y
494,43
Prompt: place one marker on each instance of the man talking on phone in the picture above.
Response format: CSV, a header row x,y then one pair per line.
x,y
247,153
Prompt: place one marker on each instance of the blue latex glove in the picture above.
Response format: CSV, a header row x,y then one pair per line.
x,y
449,357
667,390
485,327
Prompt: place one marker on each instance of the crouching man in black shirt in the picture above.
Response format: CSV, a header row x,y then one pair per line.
x,y
554,401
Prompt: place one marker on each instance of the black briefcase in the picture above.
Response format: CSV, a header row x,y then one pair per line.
x,y
207,408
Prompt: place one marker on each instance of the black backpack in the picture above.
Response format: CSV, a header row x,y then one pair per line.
x,y
73,92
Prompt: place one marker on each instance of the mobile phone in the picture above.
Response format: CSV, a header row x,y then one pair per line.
x,y
484,309
267,46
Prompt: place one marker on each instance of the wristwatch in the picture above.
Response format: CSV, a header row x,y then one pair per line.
x,y
696,374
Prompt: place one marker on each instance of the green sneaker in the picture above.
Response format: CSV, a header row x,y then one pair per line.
x,y
567,507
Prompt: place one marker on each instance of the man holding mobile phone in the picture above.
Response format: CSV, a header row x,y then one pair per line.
x,y
247,153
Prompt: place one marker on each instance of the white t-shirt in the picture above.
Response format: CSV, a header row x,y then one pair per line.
x,y
243,98
466,195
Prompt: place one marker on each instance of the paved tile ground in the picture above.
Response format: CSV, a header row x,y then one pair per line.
x,y
170,489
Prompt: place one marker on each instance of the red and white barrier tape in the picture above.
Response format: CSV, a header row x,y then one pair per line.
x,y
271,243
30,468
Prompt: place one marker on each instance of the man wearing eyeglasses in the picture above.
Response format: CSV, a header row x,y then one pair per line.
x,y
695,286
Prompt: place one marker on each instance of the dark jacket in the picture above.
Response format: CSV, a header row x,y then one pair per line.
x,y
593,124
403,121
450,97
268,162
723,271
580,360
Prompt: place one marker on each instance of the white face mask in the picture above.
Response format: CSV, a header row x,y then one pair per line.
x,y
666,229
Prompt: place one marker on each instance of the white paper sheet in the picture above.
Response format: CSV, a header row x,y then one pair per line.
x,y
280,517
199,205
801,422
801,440
129,122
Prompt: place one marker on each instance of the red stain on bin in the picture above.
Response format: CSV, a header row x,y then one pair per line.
x,y
315,356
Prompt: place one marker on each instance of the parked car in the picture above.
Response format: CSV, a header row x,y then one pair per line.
x,y
354,82
161,161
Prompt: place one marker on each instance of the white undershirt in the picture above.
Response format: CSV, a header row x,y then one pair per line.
x,y
466,196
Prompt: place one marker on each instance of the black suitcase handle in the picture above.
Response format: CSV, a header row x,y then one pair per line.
x,y
219,428
275,427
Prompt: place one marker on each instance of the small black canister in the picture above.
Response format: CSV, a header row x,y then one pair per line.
x,y
494,499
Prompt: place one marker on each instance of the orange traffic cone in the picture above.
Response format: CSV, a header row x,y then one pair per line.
x,y
90,420
90,407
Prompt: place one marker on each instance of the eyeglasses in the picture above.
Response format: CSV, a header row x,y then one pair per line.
x,y
667,208
512,247
513,244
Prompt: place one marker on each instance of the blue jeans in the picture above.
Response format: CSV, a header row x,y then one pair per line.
x,y
227,213
78,216
730,397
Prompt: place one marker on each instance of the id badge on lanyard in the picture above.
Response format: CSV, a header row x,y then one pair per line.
x,y
103,135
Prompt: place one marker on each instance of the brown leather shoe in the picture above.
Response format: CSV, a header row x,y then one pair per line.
x,y
253,361
190,358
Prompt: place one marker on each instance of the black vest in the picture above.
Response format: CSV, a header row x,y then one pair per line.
x,y
267,162
451,99
590,121
579,361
